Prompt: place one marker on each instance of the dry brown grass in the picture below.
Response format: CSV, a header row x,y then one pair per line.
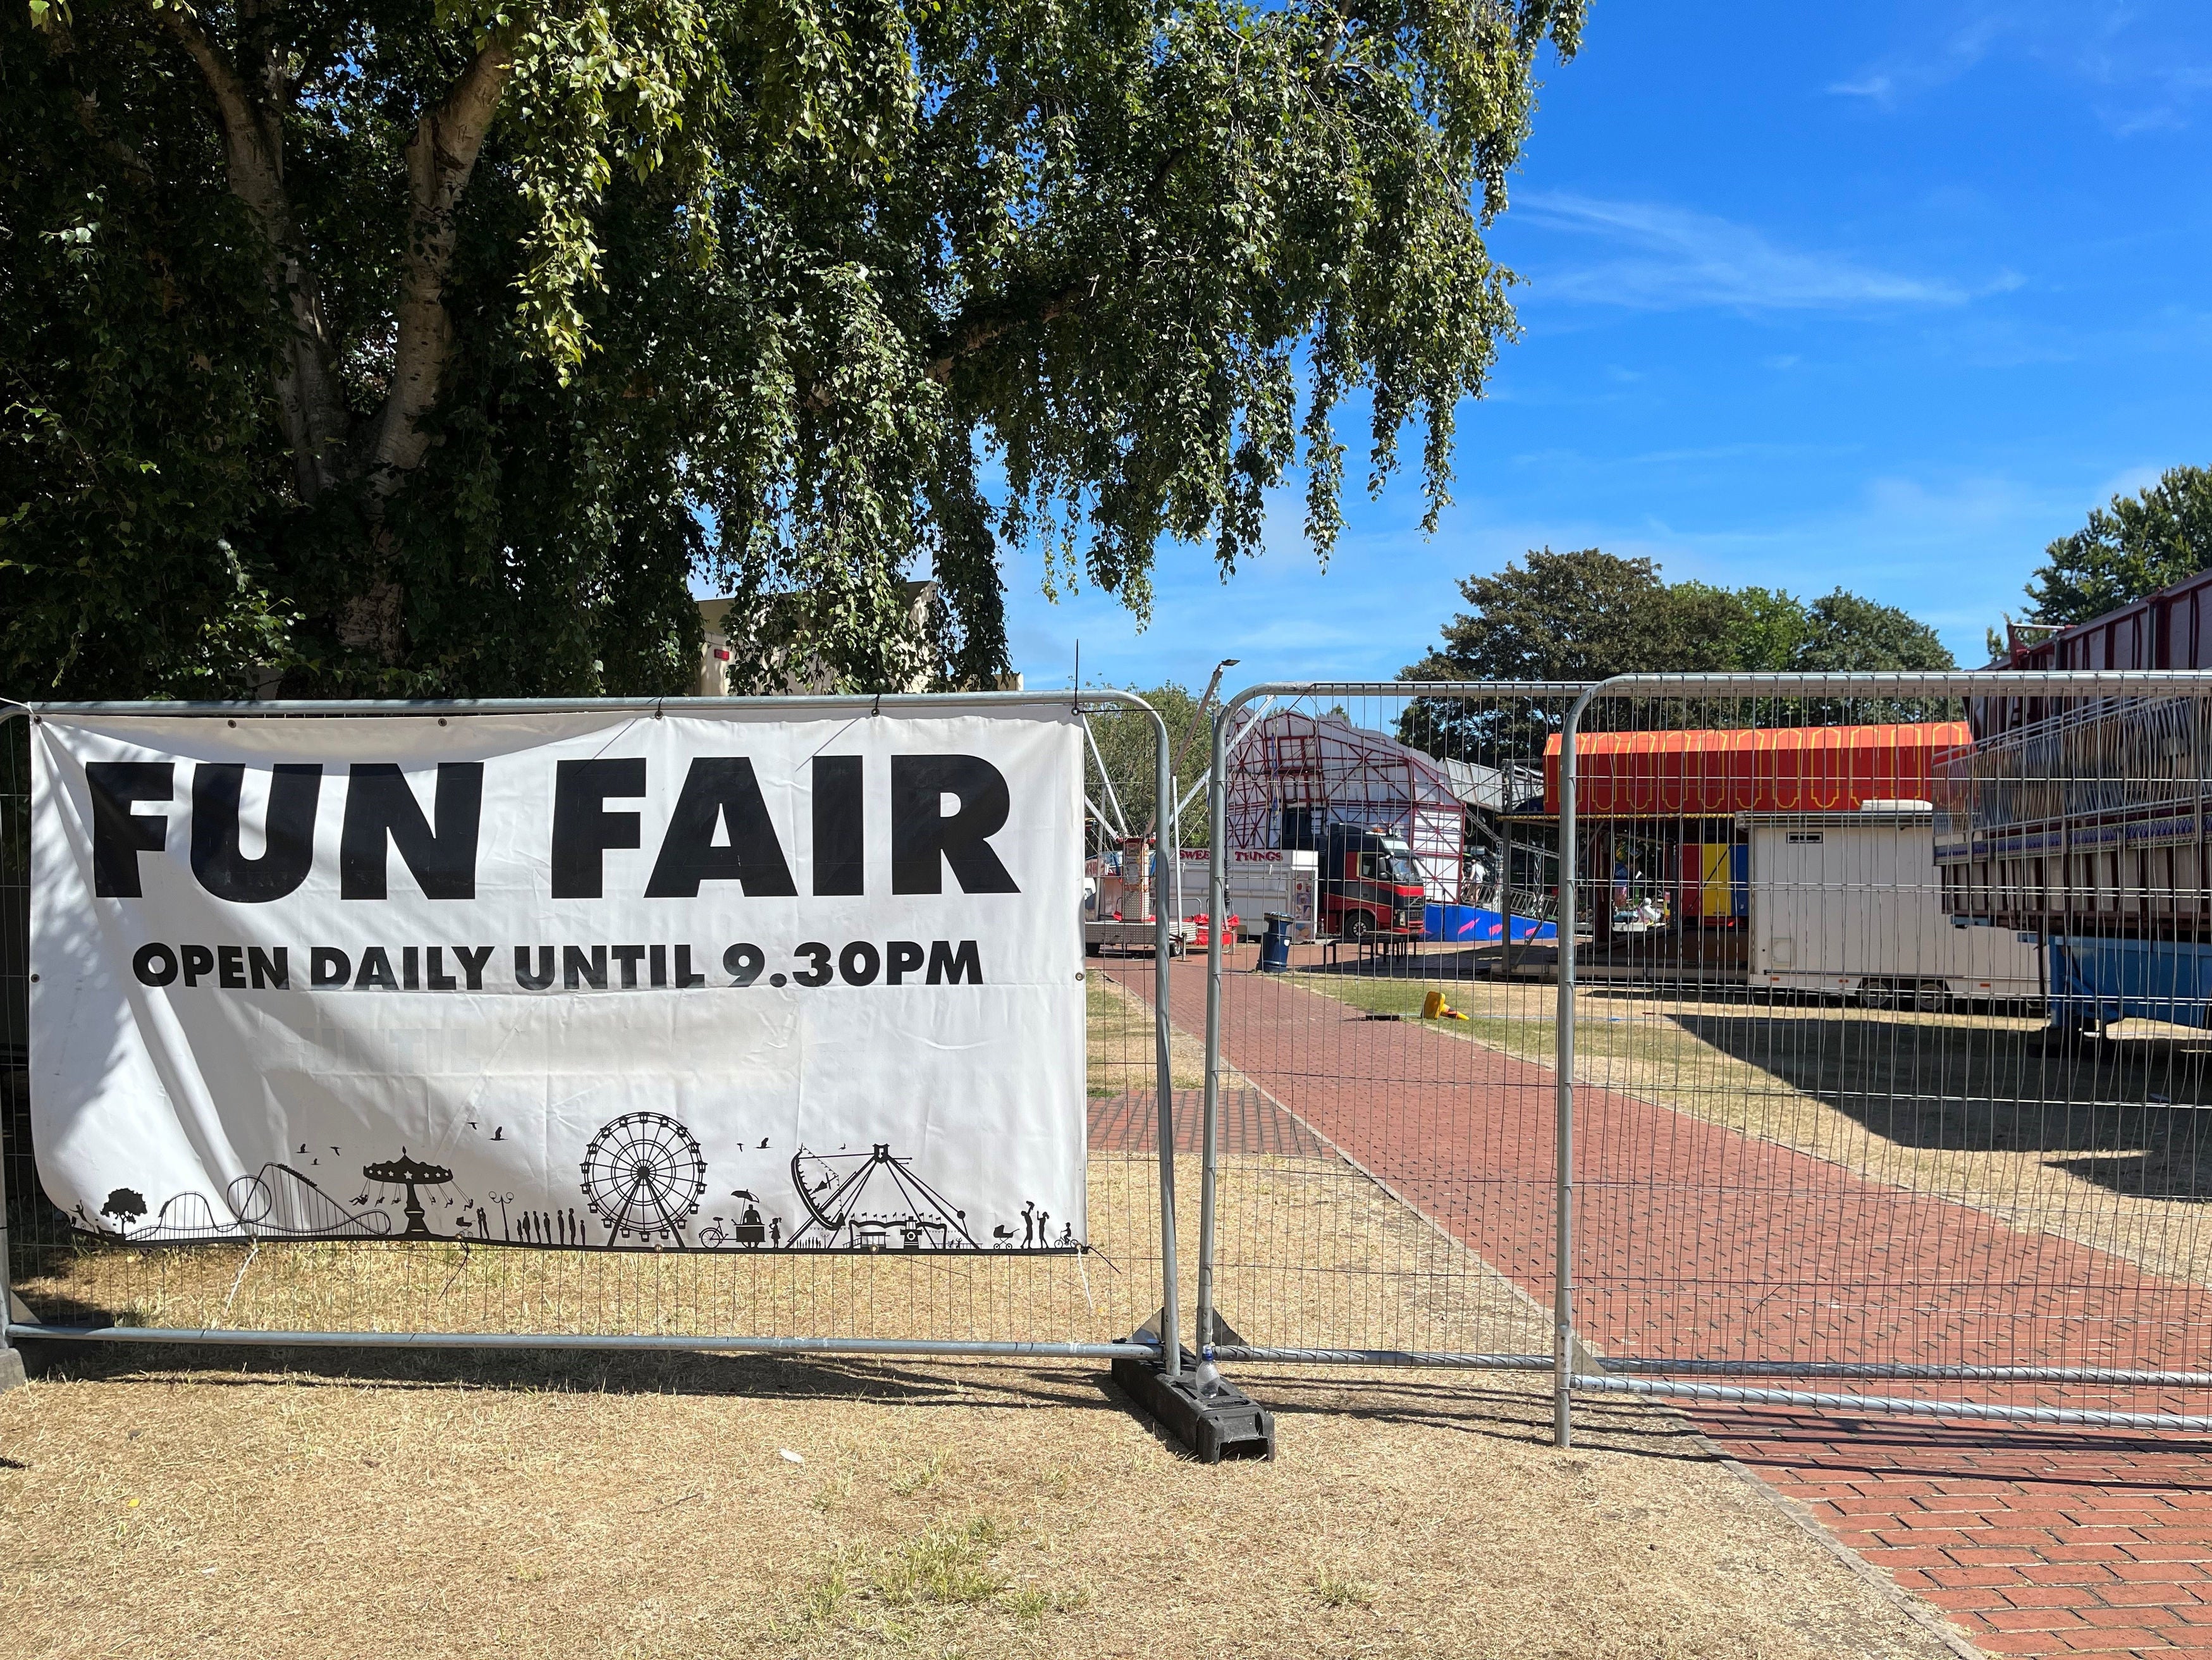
x,y
1122,1046
632,1508
436,1507
439,1285
1315,1255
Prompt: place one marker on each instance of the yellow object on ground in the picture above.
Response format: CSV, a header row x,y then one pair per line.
x,y
1433,1007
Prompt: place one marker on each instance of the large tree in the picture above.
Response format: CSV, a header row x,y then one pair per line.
x,y
424,346
2133,548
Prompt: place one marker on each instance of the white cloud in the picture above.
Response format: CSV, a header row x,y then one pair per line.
x,y
1878,88
1672,258
2131,60
2130,481
1929,65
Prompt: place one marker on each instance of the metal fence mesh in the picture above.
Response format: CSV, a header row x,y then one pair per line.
x,y
1889,1039
1384,1182
67,1277
1889,1036
1825,1124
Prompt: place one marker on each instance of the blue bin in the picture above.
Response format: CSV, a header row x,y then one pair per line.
x,y
1275,944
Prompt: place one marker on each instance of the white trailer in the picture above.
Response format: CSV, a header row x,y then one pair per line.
x,y
1259,880
1851,904
1117,905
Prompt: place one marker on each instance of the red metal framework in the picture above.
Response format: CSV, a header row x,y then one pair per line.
x,y
2088,813
1349,776
2169,630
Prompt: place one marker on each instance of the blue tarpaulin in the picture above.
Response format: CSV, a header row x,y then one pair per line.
x,y
2094,980
1477,925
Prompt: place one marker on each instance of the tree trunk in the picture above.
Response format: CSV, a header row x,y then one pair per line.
x,y
318,429
316,425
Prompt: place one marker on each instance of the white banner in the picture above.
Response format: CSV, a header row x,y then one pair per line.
x,y
797,979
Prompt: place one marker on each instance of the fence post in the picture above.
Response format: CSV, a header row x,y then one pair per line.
x,y
11,1371
1163,1069
1217,905
1563,1238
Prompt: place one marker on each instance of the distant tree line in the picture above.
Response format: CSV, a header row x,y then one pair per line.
x,y
1587,615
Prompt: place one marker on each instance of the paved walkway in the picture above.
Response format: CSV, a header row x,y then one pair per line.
x,y
1250,1123
1695,1240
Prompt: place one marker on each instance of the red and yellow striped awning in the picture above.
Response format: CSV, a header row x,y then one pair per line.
x,y
1717,773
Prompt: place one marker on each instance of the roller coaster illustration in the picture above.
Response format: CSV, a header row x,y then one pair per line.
x,y
872,1202
275,1203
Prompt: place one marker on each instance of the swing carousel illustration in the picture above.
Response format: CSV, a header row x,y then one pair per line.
x,y
643,1177
872,1202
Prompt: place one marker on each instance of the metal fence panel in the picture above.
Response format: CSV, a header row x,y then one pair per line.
x,y
1872,1048
445,1292
1377,1185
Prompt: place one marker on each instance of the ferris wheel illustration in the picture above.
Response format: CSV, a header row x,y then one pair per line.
x,y
643,1176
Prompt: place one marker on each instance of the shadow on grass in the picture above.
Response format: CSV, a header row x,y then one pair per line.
x,y
897,1382
2129,1109
1631,1429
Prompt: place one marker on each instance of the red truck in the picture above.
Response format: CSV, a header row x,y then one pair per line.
x,y
1369,882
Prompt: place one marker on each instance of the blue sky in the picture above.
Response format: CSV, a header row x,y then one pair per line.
x,y
1882,296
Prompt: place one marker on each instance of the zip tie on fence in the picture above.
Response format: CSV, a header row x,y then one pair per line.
x,y
253,1251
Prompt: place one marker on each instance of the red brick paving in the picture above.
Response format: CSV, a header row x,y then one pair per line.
x,y
1249,1123
1695,1240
